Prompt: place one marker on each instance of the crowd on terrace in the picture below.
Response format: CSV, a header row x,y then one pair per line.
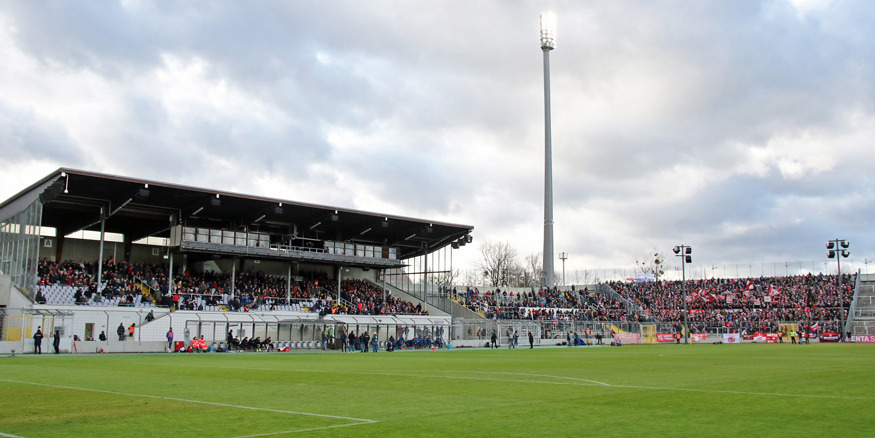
x,y
546,305
131,283
747,304
730,305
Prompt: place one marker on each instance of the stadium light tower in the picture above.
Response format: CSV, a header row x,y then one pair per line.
x,y
684,252
563,256
838,248
548,35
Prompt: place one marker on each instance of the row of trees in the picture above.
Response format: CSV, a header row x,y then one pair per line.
x,y
501,266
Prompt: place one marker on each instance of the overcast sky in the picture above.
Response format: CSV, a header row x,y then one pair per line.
x,y
742,128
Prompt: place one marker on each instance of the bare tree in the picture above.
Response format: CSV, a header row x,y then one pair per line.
x,y
654,264
534,270
586,277
472,277
446,280
498,263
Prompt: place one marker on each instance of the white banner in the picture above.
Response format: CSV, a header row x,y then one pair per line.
x,y
731,338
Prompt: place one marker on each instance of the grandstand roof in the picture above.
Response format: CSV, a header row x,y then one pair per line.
x,y
73,199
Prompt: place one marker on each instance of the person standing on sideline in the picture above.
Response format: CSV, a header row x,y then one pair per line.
x,y
121,331
351,338
170,339
131,330
375,342
568,338
38,341
343,340
494,340
531,341
57,342
516,339
324,340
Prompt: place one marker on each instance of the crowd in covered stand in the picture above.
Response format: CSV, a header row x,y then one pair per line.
x,y
193,290
745,305
364,298
117,281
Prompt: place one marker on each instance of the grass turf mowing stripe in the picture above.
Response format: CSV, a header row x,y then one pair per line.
x,y
357,421
573,381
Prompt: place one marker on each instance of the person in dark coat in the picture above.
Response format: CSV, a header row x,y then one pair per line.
x,y
343,341
494,340
38,341
121,332
531,341
57,342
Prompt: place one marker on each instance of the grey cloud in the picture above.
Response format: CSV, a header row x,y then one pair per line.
x,y
25,135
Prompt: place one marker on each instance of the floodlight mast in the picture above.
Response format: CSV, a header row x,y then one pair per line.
x,y
684,251
838,248
548,35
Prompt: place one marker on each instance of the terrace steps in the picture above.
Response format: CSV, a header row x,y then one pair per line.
x,y
864,311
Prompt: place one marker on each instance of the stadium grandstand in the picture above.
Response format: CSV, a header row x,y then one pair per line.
x,y
88,253
114,263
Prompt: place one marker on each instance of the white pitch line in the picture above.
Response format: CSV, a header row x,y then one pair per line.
x,y
770,394
279,411
9,435
301,430
576,379
400,374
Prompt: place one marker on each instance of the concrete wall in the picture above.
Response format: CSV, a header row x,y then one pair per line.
x,y
88,250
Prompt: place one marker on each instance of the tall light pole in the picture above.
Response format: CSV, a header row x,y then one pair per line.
x,y
563,256
548,34
684,251
838,248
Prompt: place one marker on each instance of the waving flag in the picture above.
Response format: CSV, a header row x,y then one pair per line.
x,y
774,291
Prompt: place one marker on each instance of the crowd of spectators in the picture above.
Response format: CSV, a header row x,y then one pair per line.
x,y
359,297
745,304
734,305
196,290
117,279
546,305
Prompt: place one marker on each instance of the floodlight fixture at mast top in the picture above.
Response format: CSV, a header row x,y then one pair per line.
x,y
548,30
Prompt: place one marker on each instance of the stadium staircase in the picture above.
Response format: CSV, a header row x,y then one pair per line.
x,y
862,311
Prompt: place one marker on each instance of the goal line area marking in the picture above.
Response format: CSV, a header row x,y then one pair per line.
x,y
358,421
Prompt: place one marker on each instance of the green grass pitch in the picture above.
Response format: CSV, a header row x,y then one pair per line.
x,y
635,390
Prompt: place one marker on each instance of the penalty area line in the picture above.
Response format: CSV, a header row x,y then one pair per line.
x,y
302,430
227,405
